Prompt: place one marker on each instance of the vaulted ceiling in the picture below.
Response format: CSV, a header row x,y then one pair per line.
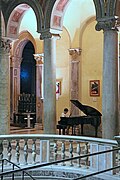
x,y
49,13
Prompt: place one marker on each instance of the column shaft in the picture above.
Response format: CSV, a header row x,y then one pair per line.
x,y
0,26
110,85
16,82
4,86
39,103
4,92
39,95
50,85
75,53
11,91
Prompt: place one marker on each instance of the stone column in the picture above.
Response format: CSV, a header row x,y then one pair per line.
x,y
0,25
110,122
17,71
16,82
4,86
39,98
11,87
49,83
74,83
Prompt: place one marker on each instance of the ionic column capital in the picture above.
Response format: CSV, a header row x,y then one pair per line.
x,y
39,58
47,34
6,44
75,53
107,23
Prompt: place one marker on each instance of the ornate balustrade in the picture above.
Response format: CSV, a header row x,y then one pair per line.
x,y
33,149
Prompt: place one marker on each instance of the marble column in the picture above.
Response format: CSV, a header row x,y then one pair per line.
x,y
74,83
16,81
4,86
110,123
110,118
39,98
17,72
11,88
0,25
49,83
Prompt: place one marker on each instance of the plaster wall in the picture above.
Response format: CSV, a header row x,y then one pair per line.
x,y
91,64
77,12
63,72
39,46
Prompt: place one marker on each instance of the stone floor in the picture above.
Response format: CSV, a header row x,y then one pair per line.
x,y
18,130
25,130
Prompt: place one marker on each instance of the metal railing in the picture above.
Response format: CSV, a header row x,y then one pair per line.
x,y
99,172
4,161
23,170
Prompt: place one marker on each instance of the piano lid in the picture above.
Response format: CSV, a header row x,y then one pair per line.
x,y
88,110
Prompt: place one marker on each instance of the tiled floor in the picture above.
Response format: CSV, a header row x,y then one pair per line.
x,y
25,130
18,130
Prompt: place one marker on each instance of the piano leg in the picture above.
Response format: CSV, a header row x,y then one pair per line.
x,y
63,131
59,131
81,129
67,131
72,130
96,130
74,127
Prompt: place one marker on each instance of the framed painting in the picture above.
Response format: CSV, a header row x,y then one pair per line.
x,y
58,87
94,87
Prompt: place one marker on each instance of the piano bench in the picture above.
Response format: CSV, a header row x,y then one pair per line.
x,y
61,129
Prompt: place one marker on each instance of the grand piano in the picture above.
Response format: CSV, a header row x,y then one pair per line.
x,y
92,116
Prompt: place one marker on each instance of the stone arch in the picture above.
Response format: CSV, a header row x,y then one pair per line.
x,y
107,11
54,14
15,20
65,29
99,8
3,25
57,15
15,11
105,8
20,44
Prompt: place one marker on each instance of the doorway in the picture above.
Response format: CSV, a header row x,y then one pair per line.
x,y
28,70
27,97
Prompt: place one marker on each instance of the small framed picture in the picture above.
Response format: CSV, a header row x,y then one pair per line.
x,y
95,88
58,87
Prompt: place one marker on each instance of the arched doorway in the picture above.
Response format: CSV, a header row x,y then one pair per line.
x,y
27,97
28,70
